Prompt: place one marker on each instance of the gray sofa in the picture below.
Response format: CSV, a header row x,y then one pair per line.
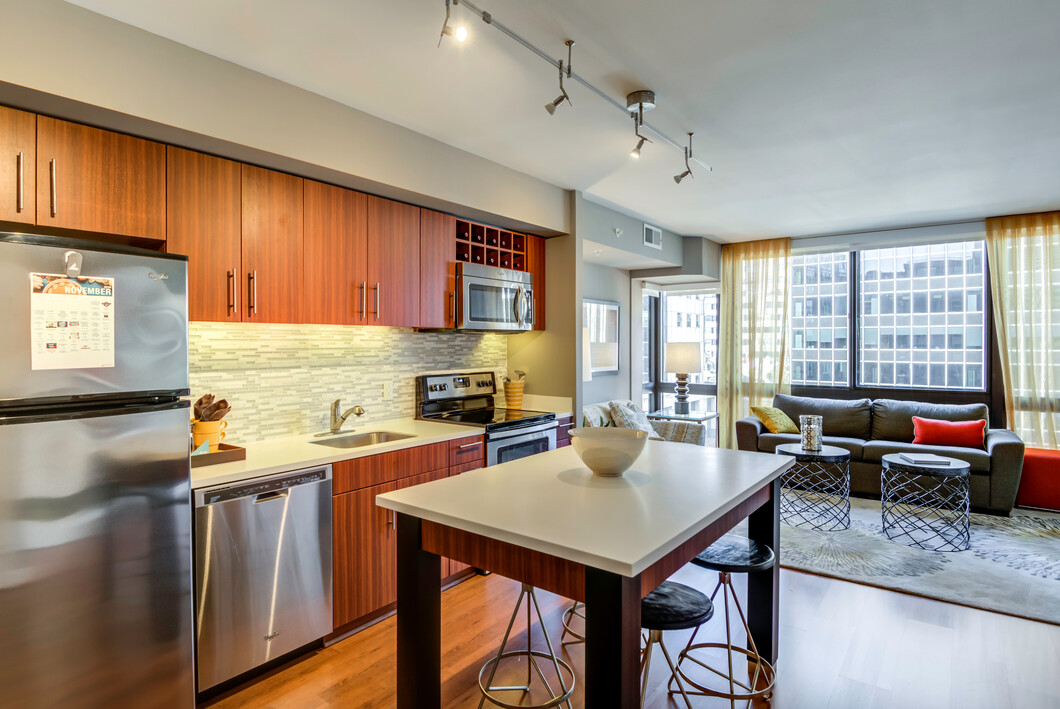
x,y
871,429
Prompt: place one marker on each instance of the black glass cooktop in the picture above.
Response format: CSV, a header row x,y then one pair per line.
x,y
493,418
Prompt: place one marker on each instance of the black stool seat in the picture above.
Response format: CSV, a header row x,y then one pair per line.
x,y
736,555
674,606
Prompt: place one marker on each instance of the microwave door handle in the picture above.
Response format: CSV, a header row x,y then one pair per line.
x,y
519,296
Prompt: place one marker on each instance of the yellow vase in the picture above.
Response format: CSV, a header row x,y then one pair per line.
x,y
212,431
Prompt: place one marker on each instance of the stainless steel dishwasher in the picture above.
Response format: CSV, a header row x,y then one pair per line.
x,y
262,570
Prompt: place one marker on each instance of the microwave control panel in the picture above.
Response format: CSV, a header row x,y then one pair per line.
x,y
457,386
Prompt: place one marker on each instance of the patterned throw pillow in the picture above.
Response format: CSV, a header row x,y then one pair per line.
x,y
775,420
595,415
627,416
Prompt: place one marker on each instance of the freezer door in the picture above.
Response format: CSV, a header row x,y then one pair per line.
x,y
95,568
150,323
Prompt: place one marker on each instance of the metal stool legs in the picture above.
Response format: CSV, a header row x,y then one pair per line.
x,y
576,609
763,672
566,689
655,637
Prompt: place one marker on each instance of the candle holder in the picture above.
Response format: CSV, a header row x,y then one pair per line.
x,y
810,427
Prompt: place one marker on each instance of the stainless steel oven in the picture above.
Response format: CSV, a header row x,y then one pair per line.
x,y
511,444
496,299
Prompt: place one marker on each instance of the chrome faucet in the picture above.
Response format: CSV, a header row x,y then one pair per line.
x,y
337,420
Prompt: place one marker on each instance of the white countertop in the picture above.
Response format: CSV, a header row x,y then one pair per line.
x,y
283,454
552,503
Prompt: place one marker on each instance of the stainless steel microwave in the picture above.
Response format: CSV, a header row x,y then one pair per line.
x,y
496,299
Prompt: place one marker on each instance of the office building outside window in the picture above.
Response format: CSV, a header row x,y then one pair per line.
x,y
921,318
693,317
820,320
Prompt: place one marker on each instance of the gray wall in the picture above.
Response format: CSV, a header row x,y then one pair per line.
x,y
166,87
604,283
599,224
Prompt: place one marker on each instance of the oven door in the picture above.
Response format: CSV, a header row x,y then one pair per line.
x,y
490,304
520,443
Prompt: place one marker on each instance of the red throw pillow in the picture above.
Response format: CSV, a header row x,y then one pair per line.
x,y
962,434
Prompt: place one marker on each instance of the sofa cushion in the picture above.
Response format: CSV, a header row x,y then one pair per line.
x,y
892,420
849,418
775,420
962,434
768,442
596,415
873,452
625,414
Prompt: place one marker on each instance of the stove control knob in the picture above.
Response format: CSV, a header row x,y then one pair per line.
x,y
483,383
444,386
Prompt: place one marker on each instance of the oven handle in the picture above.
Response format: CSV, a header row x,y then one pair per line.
x,y
512,433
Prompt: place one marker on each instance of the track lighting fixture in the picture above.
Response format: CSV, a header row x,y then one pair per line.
x,y
688,156
551,106
638,102
458,33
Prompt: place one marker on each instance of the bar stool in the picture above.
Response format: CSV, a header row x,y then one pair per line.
x,y
531,656
731,555
576,609
671,606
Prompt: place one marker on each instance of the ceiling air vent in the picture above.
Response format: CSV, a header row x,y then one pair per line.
x,y
653,236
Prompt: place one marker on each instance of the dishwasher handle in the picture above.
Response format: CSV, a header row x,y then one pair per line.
x,y
273,487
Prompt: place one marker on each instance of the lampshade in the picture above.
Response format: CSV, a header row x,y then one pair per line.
x,y
683,357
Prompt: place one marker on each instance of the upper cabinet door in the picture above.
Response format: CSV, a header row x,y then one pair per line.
x,y
393,263
535,264
336,255
272,246
95,180
437,270
203,223
18,166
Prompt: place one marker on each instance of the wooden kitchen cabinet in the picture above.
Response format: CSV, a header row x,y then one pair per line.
x,y
535,264
336,255
203,222
18,166
393,263
272,204
565,424
348,475
95,180
365,550
465,454
437,270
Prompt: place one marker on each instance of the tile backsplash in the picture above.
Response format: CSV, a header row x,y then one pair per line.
x,y
281,379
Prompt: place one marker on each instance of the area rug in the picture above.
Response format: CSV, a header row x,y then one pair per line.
x,y
1012,567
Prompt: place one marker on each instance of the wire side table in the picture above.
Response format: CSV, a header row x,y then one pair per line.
x,y
815,492
926,506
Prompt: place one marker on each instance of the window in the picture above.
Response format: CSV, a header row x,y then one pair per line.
x,y
921,322
694,315
820,300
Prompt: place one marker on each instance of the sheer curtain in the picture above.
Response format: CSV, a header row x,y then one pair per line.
x,y
752,363
1024,257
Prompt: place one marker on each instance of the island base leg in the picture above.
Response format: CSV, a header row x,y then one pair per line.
x,y
612,640
763,587
419,638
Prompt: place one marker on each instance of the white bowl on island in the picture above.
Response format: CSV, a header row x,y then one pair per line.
x,y
608,451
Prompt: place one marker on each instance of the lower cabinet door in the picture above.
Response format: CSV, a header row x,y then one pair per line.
x,y
365,550
455,567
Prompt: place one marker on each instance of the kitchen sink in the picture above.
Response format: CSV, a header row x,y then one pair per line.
x,y
359,440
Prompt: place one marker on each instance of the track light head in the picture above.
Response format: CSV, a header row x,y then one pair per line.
x,y
458,33
636,151
551,106
688,168
683,175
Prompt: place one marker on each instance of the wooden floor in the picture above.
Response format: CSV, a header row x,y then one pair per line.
x,y
842,645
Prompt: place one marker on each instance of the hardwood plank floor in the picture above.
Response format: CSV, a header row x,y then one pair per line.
x,y
843,646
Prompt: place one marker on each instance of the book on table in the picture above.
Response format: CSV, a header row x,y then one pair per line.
x,y
924,459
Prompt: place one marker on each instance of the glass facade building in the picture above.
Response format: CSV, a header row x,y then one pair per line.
x,y
820,320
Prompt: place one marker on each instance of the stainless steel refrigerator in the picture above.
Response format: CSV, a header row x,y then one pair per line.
x,y
95,517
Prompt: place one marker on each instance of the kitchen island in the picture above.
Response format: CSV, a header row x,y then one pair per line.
x,y
547,521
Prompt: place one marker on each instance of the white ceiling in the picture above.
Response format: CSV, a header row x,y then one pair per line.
x,y
818,116
605,255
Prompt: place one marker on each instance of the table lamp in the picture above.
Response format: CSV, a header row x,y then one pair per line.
x,y
682,359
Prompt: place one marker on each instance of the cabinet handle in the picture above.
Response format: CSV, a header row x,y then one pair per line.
x,y
364,299
21,162
476,444
55,188
233,290
252,279
452,306
390,522
377,300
